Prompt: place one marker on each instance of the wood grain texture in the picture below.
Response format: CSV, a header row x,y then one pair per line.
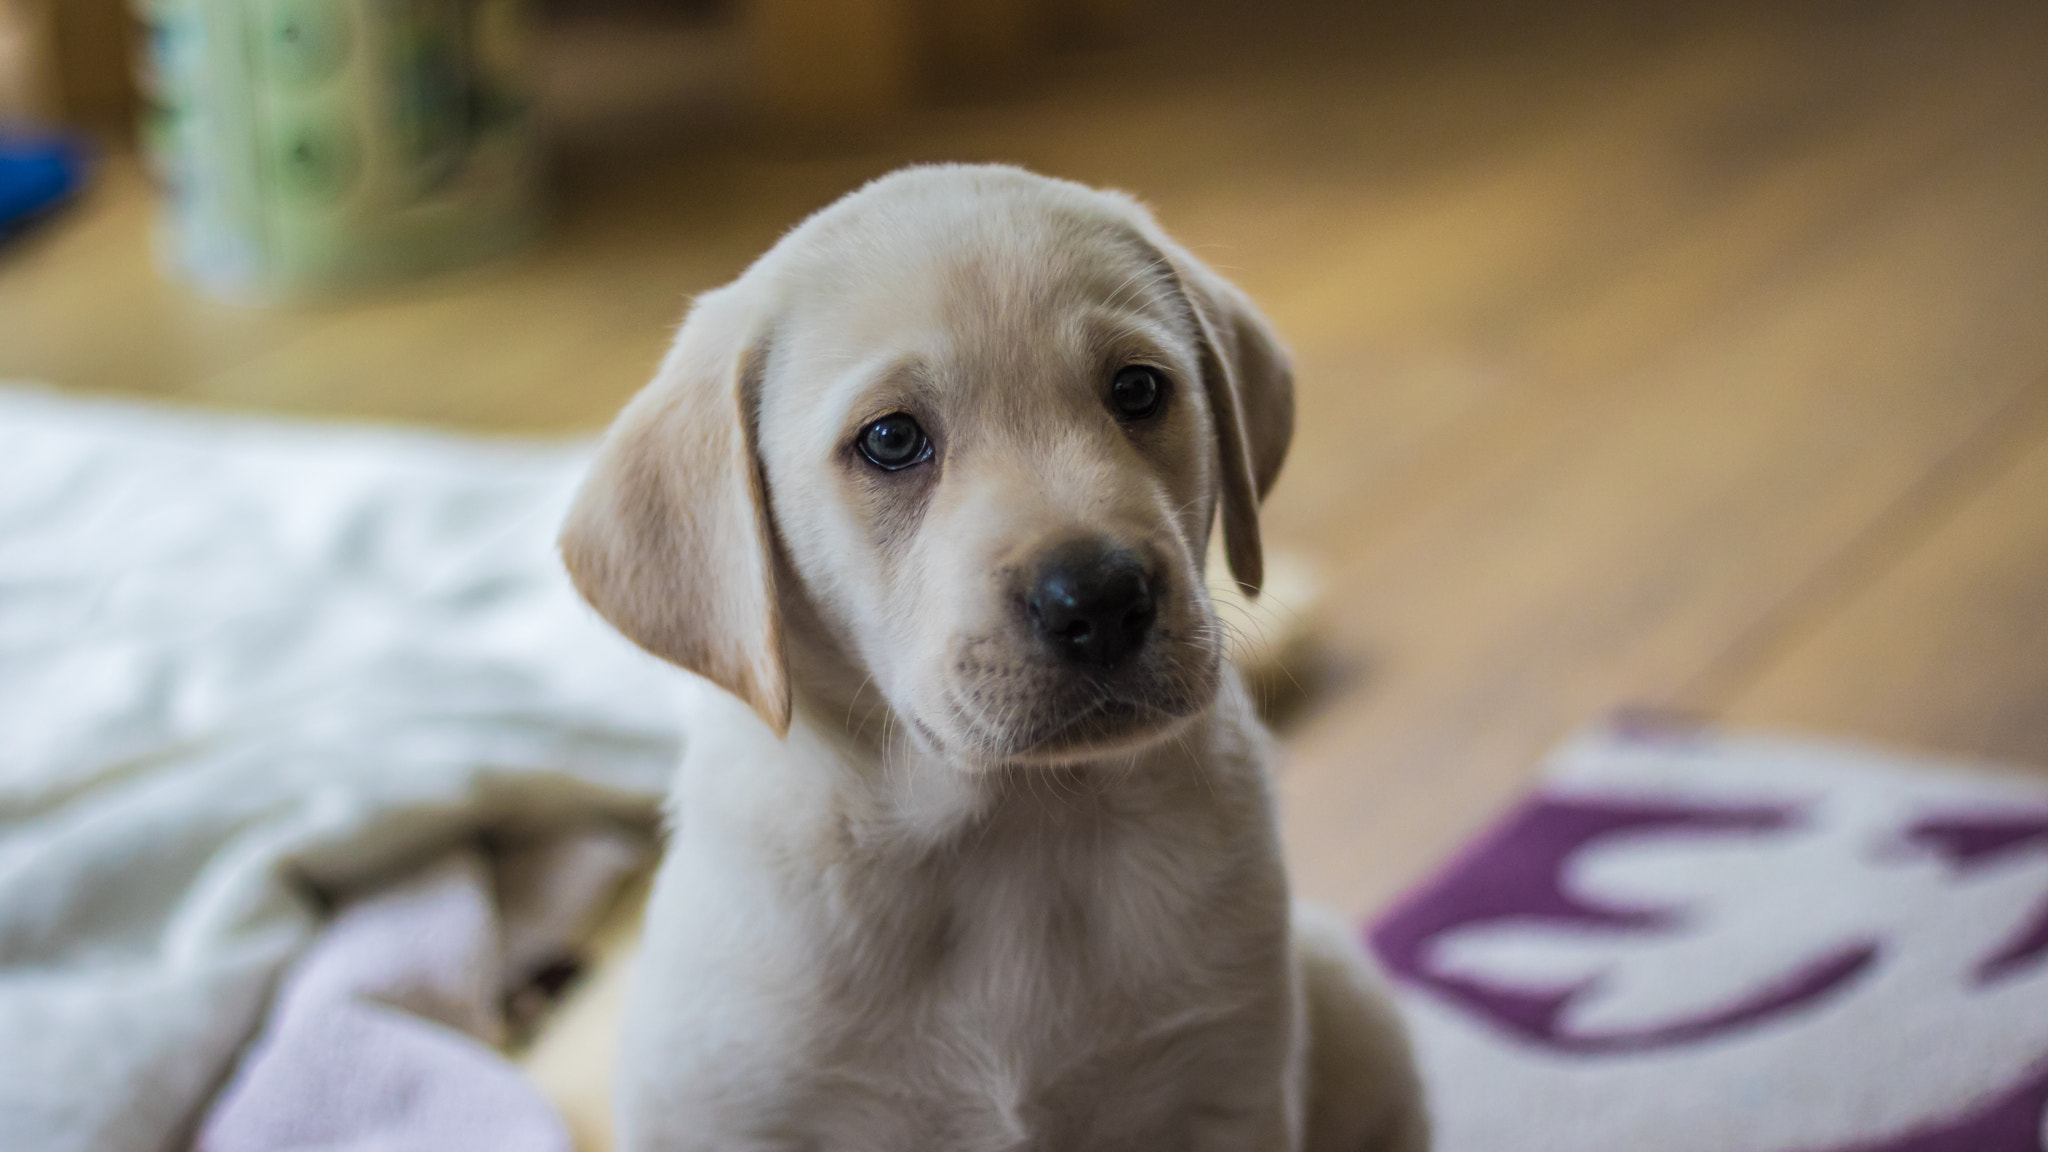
x,y
1946,647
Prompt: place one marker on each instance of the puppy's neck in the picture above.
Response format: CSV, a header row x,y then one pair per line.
x,y
891,786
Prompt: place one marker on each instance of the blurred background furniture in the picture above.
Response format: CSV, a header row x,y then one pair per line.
x,y
819,62
67,61
310,147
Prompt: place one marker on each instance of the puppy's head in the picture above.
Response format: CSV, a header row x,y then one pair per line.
x,y
958,440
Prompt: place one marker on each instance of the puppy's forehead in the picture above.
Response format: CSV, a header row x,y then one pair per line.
x,y
984,278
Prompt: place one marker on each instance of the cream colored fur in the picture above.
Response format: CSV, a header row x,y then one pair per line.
x,y
927,888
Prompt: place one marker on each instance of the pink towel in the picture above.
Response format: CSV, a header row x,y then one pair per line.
x,y
381,1038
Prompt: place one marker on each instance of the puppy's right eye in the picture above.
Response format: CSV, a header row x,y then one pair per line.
x,y
894,442
1135,393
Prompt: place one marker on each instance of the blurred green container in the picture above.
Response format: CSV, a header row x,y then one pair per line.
x,y
309,147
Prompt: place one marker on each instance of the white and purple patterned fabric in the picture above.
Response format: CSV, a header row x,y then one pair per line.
x,y
1698,943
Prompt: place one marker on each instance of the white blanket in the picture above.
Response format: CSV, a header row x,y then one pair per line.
x,y
242,664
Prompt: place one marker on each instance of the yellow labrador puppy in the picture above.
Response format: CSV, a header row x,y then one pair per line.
x,y
973,844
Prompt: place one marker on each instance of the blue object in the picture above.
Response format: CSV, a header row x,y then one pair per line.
x,y
37,173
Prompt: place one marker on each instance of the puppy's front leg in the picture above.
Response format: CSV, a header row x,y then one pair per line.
x,y
1362,1093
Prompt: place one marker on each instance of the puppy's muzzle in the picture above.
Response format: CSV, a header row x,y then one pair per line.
x,y
1091,603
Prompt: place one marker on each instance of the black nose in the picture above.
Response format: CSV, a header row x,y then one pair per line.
x,y
1092,602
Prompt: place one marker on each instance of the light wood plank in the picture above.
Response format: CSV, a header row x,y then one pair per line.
x,y
1608,559
1947,649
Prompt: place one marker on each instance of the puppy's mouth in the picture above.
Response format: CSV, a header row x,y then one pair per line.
x,y
1097,724
1105,727
1025,700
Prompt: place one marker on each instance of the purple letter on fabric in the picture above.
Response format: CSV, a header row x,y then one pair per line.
x,y
1969,842
1515,873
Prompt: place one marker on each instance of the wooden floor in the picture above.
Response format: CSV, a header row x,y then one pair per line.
x,y
1682,357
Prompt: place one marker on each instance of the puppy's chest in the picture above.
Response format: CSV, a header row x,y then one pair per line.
x,y
1026,928
1011,992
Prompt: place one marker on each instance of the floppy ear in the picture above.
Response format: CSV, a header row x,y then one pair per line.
x,y
669,537
1250,386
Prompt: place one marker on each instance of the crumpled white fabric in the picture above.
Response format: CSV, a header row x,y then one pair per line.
x,y
244,663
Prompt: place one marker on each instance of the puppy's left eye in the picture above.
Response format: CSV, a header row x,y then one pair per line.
x,y
1135,393
894,442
